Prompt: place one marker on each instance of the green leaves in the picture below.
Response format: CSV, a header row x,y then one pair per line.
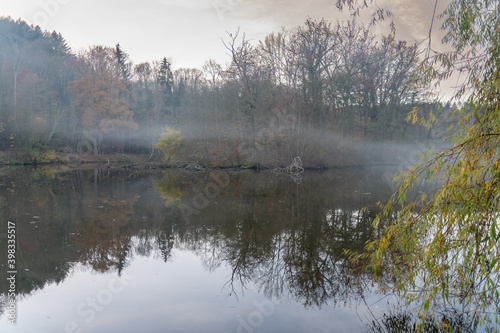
x,y
493,232
448,238
445,245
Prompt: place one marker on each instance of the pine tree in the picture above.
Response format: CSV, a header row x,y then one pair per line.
x,y
166,83
122,63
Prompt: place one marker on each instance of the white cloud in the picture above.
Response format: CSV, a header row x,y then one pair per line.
x,y
189,31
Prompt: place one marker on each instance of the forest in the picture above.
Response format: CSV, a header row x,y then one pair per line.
x,y
325,94
313,91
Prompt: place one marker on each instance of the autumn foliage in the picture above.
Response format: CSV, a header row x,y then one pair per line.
x,y
102,107
99,97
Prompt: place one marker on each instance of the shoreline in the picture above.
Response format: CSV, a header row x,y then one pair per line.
x,y
143,162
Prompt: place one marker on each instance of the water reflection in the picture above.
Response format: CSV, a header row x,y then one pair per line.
x,y
399,319
288,238
285,238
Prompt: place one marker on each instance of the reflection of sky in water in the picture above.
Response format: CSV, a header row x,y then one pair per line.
x,y
279,237
177,296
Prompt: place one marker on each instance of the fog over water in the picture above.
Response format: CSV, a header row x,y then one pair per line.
x,y
204,166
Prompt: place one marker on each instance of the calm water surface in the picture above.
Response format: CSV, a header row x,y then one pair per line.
x,y
123,250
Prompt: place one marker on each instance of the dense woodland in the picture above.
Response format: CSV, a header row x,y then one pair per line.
x,y
303,92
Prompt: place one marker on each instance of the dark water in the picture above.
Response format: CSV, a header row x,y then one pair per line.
x,y
122,250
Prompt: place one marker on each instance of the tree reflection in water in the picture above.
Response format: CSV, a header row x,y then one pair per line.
x,y
399,320
285,238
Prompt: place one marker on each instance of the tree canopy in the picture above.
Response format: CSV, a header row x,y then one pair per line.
x,y
443,247
306,91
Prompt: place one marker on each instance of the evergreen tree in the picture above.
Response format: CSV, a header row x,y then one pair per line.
x,y
122,63
166,84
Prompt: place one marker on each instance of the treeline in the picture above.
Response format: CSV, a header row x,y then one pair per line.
x,y
299,92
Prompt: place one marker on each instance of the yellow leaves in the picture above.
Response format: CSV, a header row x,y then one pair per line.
x,y
432,116
412,116
170,139
49,156
450,128
169,193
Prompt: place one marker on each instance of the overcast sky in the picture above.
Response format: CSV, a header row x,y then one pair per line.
x,y
189,31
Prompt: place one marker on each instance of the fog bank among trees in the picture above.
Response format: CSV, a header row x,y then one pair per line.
x,y
321,91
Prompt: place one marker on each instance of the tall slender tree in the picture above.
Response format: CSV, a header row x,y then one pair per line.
x,y
122,63
166,85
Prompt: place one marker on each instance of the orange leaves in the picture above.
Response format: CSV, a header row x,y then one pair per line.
x,y
99,93
99,99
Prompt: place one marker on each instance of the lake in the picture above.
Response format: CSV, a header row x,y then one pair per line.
x,y
122,250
